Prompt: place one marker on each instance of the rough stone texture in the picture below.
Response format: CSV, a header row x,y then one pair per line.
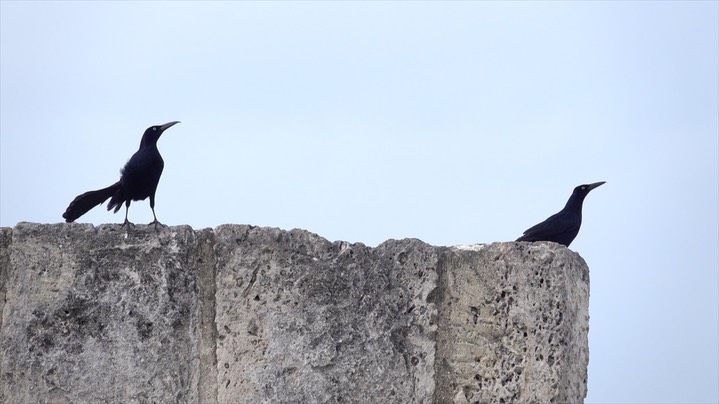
x,y
301,319
261,315
94,316
513,324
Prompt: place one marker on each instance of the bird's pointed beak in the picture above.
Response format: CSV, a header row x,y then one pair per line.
x,y
596,184
167,125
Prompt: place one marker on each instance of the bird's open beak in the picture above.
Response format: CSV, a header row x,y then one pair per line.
x,y
596,184
167,125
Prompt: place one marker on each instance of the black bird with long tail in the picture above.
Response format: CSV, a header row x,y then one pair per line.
x,y
138,180
563,226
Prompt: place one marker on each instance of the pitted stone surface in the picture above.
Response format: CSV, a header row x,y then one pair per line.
x,y
511,318
250,314
301,319
93,315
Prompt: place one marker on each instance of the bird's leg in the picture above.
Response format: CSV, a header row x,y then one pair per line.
x,y
127,222
155,222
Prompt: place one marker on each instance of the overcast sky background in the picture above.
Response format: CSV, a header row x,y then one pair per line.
x,y
454,123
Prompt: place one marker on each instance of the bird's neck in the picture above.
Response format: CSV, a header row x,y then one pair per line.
x,y
574,204
148,145
149,141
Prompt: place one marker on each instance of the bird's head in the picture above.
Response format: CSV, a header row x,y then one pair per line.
x,y
575,201
582,190
152,134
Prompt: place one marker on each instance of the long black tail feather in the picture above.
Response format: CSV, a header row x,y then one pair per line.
x,y
83,203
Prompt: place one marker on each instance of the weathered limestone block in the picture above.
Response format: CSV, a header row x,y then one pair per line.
x,y
93,315
301,319
260,315
513,324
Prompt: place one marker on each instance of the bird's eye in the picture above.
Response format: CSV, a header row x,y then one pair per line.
x,y
583,188
154,128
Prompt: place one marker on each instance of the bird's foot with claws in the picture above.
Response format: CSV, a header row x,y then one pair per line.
x,y
156,223
127,223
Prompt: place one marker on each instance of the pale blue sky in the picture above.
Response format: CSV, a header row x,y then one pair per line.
x,y
452,122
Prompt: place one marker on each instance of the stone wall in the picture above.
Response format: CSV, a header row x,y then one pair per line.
x,y
262,315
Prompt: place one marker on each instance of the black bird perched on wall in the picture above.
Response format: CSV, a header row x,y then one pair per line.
x,y
563,226
138,180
